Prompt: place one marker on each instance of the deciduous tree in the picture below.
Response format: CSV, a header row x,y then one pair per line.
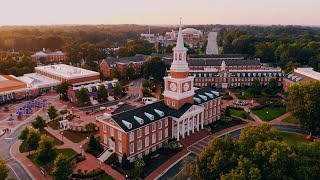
x,y
52,112
102,93
62,168
39,123
45,152
4,171
24,133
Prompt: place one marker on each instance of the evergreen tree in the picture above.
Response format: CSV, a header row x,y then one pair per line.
x,y
102,93
62,89
52,112
33,139
83,96
227,112
255,88
117,90
272,87
62,168
125,163
39,123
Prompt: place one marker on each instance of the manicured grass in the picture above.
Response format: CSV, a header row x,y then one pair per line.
x,y
268,114
77,137
67,152
293,139
54,124
107,177
238,113
291,119
227,97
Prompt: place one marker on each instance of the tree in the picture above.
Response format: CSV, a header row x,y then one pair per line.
x,y
227,112
52,112
117,90
272,87
93,145
302,100
138,164
115,73
62,168
169,48
125,163
62,89
130,73
154,67
90,126
39,123
24,133
102,93
45,152
33,139
83,96
255,88
4,171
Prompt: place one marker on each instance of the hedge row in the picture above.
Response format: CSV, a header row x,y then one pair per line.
x,y
94,174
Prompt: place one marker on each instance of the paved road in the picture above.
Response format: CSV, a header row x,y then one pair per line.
x,y
16,170
212,47
138,82
176,169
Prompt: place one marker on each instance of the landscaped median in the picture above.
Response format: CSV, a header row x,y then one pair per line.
x,y
240,112
268,113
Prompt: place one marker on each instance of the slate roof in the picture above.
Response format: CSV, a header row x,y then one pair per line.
x,y
217,62
123,108
204,92
136,58
216,56
150,109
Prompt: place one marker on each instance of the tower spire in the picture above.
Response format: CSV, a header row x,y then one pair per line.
x,y
180,43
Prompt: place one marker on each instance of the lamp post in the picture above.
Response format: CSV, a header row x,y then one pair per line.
x,y
81,149
61,135
87,139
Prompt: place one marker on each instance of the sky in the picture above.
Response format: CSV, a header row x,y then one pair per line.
x,y
157,12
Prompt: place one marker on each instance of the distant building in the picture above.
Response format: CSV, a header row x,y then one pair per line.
x,y
73,75
122,64
300,74
57,56
190,35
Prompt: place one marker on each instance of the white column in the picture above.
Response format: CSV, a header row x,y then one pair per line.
x,y
202,119
178,133
183,128
198,122
188,126
192,124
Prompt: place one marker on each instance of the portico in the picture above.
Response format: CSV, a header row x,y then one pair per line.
x,y
191,121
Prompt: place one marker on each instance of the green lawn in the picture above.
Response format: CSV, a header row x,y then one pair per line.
x,y
291,119
226,97
293,139
106,177
54,124
268,114
67,152
238,113
77,137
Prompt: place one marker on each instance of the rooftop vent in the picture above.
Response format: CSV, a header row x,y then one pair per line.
x,y
127,124
160,113
139,120
150,116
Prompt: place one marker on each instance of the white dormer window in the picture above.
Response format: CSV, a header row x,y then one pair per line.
x,y
139,120
215,93
150,116
203,97
127,124
210,95
197,99
160,113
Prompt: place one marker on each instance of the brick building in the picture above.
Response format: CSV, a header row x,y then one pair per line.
x,y
122,64
190,35
57,56
184,110
300,74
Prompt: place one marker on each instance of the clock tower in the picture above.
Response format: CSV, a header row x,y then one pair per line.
x,y
178,86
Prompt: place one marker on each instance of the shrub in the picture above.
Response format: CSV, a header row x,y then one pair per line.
x,y
235,107
63,111
91,127
93,174
153,88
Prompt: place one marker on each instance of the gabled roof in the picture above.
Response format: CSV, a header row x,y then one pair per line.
x,y
136,58
217,62
207,92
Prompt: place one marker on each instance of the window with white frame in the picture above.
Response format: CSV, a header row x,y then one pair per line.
x,y
160,145
218,100
159,135
215,102
154,148
146,130
154,126
146,141
166,122
153,138
160,124
111,131
206,105
104,128
168,102
139,144
214,111
105,139
140,155
146,152
166,133
120,147
210,104
173,103
131,136
206,114
131,148
210,113
139,133
119,135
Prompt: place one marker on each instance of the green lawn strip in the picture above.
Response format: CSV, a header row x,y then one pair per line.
x,y
54,124
293,139
56,141
291,119
107,177
238,113
67,152
77,137
268,114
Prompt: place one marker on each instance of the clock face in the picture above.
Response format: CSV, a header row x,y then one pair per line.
x,y
173,86
186,86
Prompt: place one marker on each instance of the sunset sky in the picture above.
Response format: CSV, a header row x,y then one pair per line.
x,y
38,12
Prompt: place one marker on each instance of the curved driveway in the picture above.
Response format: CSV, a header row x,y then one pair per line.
x,y
176,169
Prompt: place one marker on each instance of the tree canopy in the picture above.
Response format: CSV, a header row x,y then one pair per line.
x,y
102,93
4,171
62,168
302,100
154,67
52,112
39,123
83,96
62,89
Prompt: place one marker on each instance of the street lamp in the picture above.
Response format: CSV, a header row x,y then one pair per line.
x,y
81,149
87,139
61,135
